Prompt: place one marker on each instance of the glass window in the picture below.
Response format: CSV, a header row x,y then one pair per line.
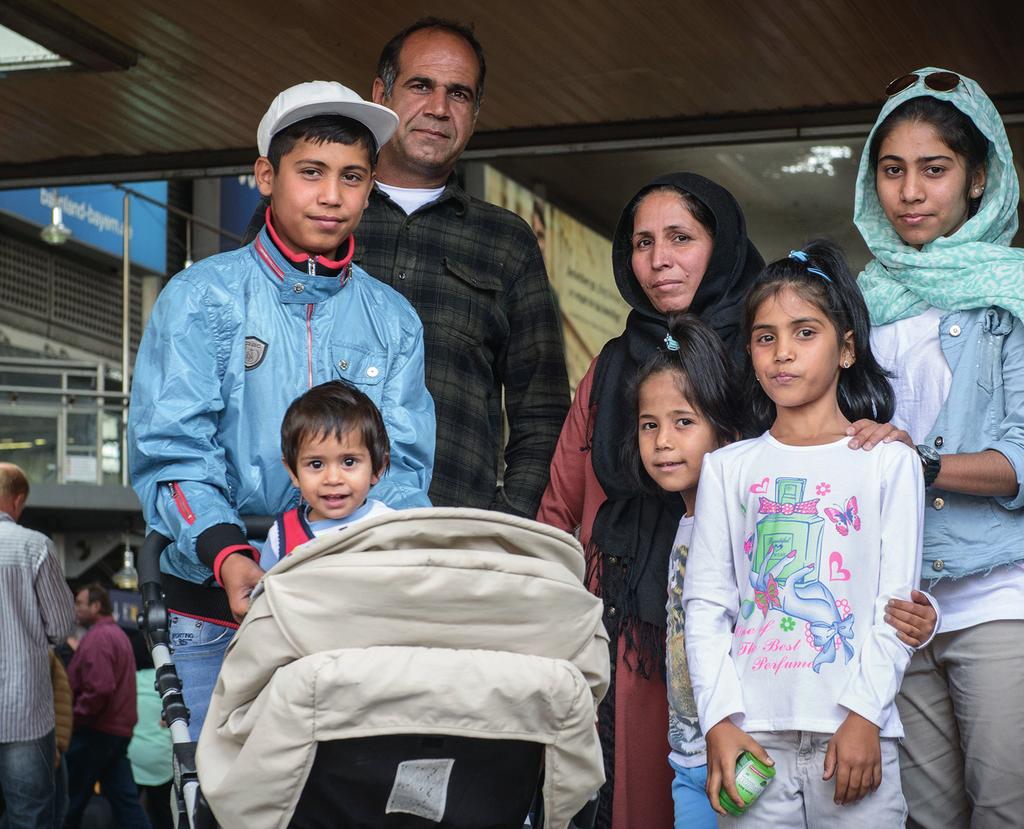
x,y
29,439
790,191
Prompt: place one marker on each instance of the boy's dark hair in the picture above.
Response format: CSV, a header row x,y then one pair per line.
x,y
705,376
864,390
388,68
957,131
98,593
322,129
334,409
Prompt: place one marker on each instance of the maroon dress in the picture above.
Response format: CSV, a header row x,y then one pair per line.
x,y
642,798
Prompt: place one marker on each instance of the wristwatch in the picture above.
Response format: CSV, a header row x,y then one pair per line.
x,y
931,463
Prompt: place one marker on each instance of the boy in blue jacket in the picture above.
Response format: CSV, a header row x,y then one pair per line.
x,y
235,338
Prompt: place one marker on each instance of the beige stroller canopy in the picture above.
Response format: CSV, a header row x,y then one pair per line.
x,y
427,621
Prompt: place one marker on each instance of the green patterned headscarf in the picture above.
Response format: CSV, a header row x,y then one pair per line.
x,y
973,267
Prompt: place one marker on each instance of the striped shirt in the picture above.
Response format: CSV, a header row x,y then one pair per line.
x,y
38,609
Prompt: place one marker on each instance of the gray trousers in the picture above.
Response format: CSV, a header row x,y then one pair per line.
x,y
962,706
799,799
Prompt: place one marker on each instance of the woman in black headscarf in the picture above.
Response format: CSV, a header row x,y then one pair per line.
x,y
680,245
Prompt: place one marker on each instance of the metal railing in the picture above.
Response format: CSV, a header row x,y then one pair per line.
x,y
63,420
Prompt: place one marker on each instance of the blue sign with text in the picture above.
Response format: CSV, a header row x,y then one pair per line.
x,y
94,213
238,199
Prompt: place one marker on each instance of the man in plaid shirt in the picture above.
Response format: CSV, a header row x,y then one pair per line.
x,y
474,273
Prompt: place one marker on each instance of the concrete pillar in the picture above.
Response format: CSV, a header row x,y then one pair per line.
x,y
206,206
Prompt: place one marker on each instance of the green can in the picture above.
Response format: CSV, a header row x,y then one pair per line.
x,y
751,778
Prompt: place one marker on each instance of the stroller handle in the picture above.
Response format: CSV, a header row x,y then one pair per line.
x,y
256,526
149,559
154,621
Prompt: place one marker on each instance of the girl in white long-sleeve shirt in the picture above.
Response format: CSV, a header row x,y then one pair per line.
x,y
797,547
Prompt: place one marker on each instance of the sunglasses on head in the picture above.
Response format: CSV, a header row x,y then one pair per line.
x,y
936,81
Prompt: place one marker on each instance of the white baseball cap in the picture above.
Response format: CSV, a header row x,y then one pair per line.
x,y
305,100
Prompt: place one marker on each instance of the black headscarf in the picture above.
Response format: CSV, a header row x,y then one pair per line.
x,y
633,533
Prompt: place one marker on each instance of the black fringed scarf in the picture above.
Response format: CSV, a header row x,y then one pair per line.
x,y
632,534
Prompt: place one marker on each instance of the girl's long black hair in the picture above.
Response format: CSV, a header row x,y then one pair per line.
x,y
704,375
864,389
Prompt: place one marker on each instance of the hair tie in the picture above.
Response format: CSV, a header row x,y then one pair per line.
x,y
800,256
671,343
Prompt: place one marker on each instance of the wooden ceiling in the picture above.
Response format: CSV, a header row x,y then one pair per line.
x,y
558,71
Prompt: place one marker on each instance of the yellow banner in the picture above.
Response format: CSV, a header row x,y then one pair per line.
x,y
579,264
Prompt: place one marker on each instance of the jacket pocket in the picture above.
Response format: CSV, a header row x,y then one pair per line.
x,y
363,368
995,326
477,278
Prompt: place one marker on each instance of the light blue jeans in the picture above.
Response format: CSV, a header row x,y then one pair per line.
x,y
199,648
797,797
692,807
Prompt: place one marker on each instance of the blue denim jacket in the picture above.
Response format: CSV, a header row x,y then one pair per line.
x,y
965,534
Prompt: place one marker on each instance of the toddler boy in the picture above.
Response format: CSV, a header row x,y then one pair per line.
x,y
335,447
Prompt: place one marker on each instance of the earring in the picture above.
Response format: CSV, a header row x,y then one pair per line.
x,y
846,364
978,190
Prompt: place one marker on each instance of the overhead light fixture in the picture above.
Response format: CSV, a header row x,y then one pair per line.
x,y
819,160
127,578
37,37
20,54
56,232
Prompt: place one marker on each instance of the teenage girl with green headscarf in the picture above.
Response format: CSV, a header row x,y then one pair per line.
x,y
937,199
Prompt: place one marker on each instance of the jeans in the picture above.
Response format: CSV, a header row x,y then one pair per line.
x,y
692,807
60,792
198,653
95,756
26,776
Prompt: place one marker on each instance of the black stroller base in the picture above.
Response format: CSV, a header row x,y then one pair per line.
x,y
349,784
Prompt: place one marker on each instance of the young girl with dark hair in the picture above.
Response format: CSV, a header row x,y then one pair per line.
x,y
862,393
937,200
798,544
685,402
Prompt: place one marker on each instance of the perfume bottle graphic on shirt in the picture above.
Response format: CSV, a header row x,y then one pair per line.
x,y
790,524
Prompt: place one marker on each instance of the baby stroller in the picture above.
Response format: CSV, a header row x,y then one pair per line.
x,y
434,667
